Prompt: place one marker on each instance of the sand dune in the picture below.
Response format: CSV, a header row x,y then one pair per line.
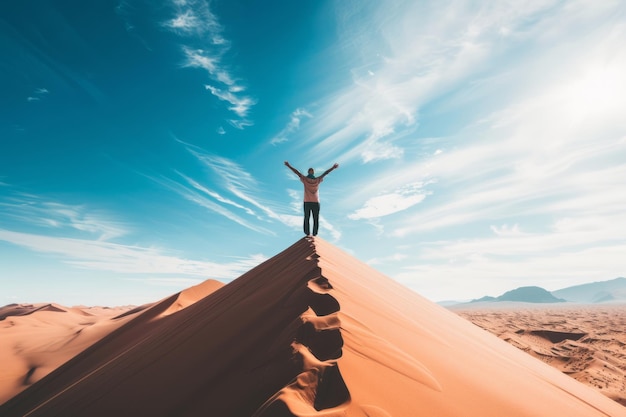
x,y
310,332
35,339
587,342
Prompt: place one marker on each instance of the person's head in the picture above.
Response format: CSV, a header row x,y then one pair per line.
x,y
311,171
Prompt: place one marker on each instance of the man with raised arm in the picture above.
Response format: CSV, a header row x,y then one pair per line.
x,y
311,196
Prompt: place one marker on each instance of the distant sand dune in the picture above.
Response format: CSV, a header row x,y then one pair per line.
x,y
26,309
35,339
310,332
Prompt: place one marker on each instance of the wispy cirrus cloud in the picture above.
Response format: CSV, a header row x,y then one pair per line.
x,y
38,94
412,59
390,203
228,190
545,160
194,18
203,197
198,58
34,211
538,134
571,251
195,22
83,237
106,256
440,56
234,179
295,119
216,195
239,105
562,235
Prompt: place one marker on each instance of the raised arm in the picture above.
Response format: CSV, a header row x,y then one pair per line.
x,y
329,170
295,171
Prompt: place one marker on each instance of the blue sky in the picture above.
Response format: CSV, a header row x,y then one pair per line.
x,y
482,145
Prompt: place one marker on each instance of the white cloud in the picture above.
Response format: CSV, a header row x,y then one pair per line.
x,y
506,230
195,19
186,21
240,105
198,196
215,195
38,94
234,180
198,58
417,54
421,53
396,257
293,125
240,124
381,151
31,210
386,204
571,250
105,256
564,235
325,225
476,276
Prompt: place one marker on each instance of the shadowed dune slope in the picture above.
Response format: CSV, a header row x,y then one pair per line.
x,y
35,339
312,331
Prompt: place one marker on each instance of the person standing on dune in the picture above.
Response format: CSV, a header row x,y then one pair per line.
x,y
311,196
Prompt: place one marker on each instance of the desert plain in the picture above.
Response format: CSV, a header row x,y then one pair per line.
x,y
585,341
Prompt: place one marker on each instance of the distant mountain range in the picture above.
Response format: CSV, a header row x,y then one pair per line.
x,y
611,291
595,292
525,294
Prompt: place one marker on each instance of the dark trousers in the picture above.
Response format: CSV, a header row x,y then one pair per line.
x,y
311,208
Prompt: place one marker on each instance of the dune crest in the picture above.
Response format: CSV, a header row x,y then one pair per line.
x,y
318,345
17,310
191,295
310,332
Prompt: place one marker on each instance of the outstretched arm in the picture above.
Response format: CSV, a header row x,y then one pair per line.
x,y
328,171
295,171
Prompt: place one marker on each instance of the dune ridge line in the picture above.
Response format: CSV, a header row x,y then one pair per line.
x,y
317,345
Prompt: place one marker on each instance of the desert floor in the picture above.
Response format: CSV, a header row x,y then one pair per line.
x,y
35,339
587,342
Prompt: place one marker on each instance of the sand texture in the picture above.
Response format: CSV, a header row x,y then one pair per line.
x,y
310,332
35,339
586,342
